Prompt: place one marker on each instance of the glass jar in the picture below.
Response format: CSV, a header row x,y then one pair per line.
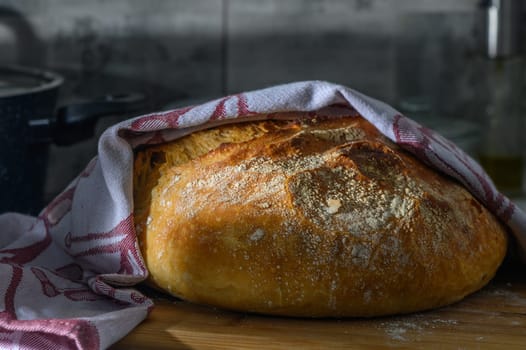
x,y
502,147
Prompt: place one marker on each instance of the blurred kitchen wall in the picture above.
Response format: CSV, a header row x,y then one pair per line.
x,y
177,51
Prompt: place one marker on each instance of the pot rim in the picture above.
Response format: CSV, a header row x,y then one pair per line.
x,y
51,80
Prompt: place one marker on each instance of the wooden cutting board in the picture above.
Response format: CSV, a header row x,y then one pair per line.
x,y
493,318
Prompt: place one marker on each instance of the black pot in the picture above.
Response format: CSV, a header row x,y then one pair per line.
x,y
30,122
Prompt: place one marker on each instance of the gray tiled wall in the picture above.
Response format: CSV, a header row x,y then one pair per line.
x,y
176,50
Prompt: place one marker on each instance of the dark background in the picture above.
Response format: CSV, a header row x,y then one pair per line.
x,y
177,51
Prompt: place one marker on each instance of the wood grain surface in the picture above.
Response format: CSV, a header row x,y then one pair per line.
x,y
493,318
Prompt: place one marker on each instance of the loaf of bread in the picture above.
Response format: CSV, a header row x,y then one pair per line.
x,y
309,217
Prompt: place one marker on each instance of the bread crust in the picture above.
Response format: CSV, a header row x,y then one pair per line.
x,y
312,217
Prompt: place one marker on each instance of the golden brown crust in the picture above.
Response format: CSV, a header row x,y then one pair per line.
x,y
309,218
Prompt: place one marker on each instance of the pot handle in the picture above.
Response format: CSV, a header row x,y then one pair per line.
x,y
76,122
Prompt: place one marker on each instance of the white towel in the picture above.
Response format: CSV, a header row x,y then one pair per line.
x,y
68,275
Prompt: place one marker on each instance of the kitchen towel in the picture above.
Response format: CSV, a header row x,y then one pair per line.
x,y
68,274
